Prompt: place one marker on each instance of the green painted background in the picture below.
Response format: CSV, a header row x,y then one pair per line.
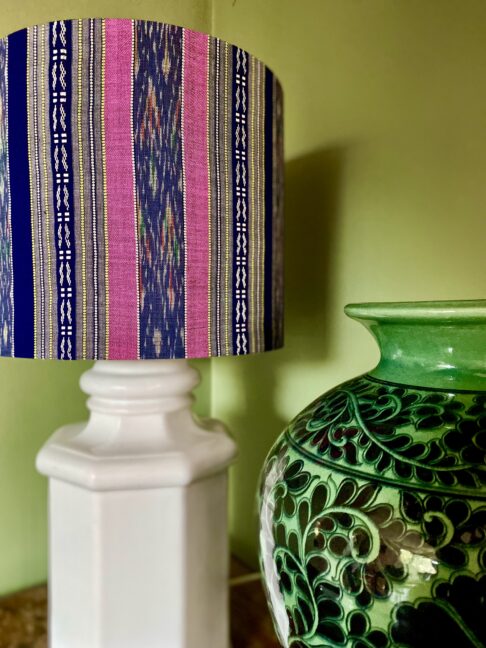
x,y
385,191
385,199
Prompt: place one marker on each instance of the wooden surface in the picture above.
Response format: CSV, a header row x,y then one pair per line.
x,y
251,625
23,617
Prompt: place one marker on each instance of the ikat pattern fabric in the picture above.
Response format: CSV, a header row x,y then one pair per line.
x,y
141,194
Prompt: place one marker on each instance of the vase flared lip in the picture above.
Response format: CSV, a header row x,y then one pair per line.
x,y
468,310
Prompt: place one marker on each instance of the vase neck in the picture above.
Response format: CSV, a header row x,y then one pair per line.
x,y
425,346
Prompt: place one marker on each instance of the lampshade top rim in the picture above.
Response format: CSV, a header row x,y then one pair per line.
x,y
146,20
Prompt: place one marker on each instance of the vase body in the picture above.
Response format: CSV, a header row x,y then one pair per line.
x,y
373,500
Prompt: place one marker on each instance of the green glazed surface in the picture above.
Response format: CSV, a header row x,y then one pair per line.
x,y
373,500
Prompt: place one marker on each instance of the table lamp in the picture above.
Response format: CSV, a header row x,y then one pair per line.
x,y
140,225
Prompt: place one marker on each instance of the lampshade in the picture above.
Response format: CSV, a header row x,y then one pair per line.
x,y
140,194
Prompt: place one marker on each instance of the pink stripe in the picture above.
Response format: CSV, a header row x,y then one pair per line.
x,y
196,179
122,246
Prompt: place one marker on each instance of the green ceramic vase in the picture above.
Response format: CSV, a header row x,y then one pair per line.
x,y
373,500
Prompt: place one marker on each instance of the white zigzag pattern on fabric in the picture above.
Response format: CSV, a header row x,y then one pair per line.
x,y
241,207
60,138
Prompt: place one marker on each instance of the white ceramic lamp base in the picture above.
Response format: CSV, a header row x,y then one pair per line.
x,y
138,515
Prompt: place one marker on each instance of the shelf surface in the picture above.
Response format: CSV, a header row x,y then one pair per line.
x,y
23,616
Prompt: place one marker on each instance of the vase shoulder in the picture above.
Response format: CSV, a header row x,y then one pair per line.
x,y
423,438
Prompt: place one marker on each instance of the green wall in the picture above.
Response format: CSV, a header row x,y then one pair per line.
x,y
385,200
385,124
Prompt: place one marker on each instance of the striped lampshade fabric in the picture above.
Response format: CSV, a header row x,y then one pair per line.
x,y
141,172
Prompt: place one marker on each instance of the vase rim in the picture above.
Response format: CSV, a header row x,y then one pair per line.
x,y
467,310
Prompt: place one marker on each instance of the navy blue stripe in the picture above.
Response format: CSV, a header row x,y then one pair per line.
x,y
159,187
240,195
67,239
20,196
268,315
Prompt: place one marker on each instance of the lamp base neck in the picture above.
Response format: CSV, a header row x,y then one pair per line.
x,y
141,432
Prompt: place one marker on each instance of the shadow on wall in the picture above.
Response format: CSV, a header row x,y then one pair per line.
x,y
312,199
